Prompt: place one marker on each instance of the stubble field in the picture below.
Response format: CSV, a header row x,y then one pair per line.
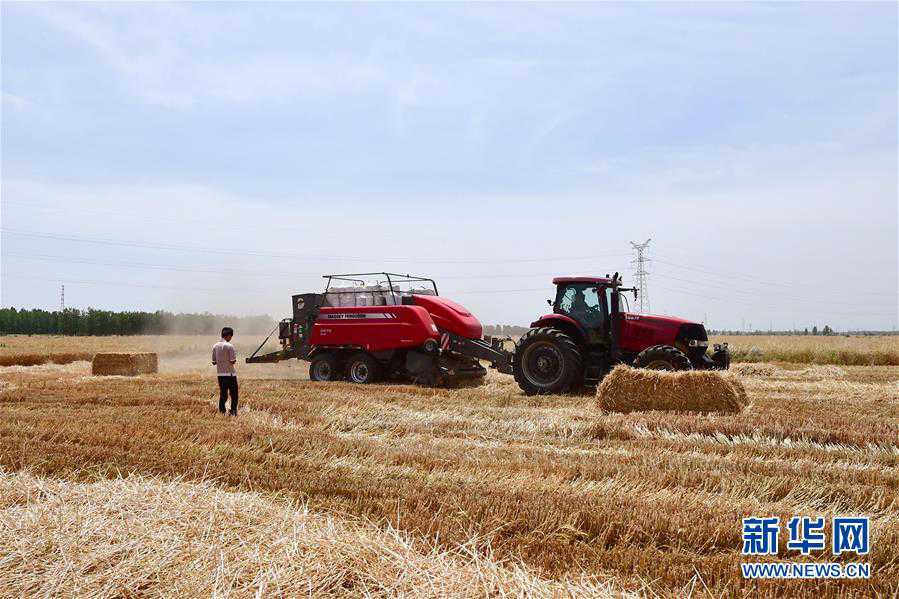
x,y
136,486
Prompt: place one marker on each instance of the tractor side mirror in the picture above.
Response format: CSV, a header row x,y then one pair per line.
x,y
550,302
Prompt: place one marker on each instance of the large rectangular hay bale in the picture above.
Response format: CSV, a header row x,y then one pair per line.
x,y
125,364
628,389
23,359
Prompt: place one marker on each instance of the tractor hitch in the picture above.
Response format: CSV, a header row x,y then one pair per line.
x,y
490,349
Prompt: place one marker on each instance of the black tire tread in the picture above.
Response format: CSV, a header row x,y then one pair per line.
x,y
374,367
335,366
569,348
671,354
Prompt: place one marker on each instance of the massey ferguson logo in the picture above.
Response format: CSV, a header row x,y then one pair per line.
x,y
356,316
631,317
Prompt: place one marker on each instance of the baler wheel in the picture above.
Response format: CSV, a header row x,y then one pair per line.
x,y
547,361
324,367
362,368
662,357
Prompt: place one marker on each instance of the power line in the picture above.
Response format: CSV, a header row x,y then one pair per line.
x,y
243,272
213,289
172,268
699,290
641,274
750,293
701,284
138,211
306,257
120,283
725,275
755,304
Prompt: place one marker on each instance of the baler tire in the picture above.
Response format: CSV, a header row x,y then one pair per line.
x,y
561,348
658,355
324,367
363,369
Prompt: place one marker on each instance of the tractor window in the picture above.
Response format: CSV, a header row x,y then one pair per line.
x,y
581,302
623,305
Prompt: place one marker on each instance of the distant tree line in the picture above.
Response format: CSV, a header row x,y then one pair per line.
x,y
72,321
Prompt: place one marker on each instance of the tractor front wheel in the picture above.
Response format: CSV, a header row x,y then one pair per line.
x,y
547,361
662,357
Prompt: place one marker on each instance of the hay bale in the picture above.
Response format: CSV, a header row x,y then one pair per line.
x,y
628,389
126,364
68,358
24,359
39,359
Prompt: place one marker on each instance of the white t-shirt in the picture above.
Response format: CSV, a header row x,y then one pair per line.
x,y
223,354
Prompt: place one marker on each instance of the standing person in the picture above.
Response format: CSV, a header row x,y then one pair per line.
x,y
224,357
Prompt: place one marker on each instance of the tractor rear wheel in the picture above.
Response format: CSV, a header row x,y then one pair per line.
x,y
547,361
362,368
323,367
662,357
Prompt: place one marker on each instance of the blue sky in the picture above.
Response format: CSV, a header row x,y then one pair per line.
x,y
755,143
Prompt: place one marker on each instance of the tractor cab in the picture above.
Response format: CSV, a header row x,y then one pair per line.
x,y
592,302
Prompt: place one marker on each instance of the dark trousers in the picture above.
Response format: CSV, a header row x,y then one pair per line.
x,y
228,384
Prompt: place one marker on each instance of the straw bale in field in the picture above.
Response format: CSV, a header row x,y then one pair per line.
x,y
23,359
127,364
628,389
38,359
68,358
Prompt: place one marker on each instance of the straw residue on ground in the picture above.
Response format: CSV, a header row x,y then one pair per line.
x,y
142,536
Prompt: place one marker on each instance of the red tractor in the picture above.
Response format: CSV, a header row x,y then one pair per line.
x,y
366,333
591,330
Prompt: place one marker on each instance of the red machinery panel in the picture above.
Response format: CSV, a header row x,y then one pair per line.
x,y
639,331
374,328
450,316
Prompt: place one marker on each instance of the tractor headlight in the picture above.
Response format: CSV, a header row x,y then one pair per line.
x,y
698,343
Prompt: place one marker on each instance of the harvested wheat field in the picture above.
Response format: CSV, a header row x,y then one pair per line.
x,y
193,539
481,489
